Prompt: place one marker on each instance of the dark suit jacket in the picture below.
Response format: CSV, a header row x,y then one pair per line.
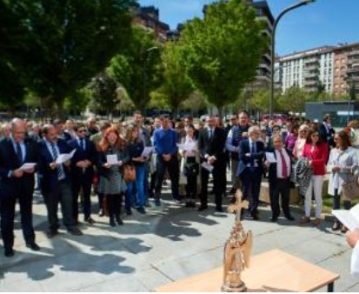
x,y
214,146
245,160
327,136
9,162
49,180
272,170
90,154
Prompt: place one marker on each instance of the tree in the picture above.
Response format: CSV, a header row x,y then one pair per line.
x,y
259,101
138,67
293,99
58,46
176,86
223,50
104,93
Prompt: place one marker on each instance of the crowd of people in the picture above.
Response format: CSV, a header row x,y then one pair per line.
x,y
126,164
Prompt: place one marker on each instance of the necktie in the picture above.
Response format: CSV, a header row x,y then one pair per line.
x,y
60,170
210,134
82,144
284,165
19,153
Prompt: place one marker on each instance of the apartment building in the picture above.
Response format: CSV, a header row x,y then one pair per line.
x,y
335,68
310,69
149,17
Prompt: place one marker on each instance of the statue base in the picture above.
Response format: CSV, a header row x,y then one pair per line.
x,y
237,288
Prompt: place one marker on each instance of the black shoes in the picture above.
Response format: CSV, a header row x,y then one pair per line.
x,y
141,210
202,207
89,220
51,233
119,220
112,223
74,231
191,204
9,252
33,246
289,217
274,219
219,209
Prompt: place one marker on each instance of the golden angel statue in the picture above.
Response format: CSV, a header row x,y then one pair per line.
x,y
237,250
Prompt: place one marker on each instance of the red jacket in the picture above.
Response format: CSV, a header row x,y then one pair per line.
x,y
319,157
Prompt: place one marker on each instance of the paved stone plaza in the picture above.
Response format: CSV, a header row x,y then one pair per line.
x,y
150,250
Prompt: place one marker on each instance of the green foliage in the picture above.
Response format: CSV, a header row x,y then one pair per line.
x,y
57,46
104,93
11,90
138,67
224,49
294,99
176,86
260,101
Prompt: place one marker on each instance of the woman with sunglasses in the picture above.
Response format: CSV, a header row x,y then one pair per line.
x,y
316,152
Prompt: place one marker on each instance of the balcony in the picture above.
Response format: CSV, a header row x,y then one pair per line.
x,y
353,69
308,83
353,53
314,60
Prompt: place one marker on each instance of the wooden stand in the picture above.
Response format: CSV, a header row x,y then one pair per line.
x,y
274,271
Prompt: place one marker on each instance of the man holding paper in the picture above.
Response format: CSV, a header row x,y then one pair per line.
x,y
55,183
17,165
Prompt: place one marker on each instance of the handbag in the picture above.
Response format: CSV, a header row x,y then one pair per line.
x,y
191,169
129,173
350,189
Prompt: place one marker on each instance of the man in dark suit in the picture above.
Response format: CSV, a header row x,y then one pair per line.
x,y
250,168
55,183
82,170
17,183
279,178
211,145
326,131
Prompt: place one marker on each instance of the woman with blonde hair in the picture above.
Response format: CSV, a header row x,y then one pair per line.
x,y
113,154
300,142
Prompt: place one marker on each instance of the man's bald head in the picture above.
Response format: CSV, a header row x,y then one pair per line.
x,y
18,129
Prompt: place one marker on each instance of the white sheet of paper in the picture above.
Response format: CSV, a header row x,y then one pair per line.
x,y
147,152
349,218
112,159
28,165
270,157
189,146
63,157
207,166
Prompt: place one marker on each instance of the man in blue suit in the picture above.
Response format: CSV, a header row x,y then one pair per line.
x,y
82,170
55,183
17,184
250,168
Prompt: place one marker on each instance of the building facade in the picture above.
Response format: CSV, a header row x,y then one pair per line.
x,y
309,70
335,69
149,17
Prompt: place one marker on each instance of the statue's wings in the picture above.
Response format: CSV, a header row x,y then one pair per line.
x,y
247,249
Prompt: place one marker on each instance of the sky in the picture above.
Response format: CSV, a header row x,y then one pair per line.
x,y
324,22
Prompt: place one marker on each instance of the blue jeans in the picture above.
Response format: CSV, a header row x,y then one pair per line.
x,y
140,189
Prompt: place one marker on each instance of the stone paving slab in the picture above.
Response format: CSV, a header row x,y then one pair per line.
x,y
169,243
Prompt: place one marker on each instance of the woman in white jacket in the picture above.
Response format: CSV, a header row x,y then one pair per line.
x,y
343,160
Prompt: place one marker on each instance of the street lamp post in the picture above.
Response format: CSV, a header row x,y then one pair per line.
x,y
276,21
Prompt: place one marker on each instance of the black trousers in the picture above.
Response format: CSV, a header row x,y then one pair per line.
x,y
173,170
62,194
280,189
336,202
7,211
114,202
251,180
219,184
84,184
